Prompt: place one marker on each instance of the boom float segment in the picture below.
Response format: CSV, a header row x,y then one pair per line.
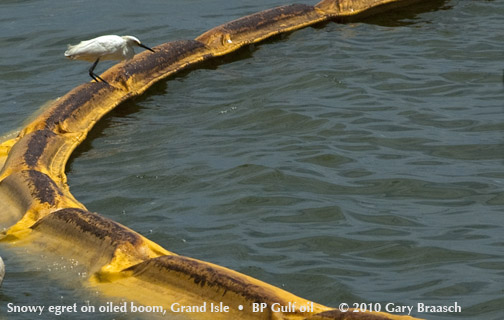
x,y
233,35
38,208
357,9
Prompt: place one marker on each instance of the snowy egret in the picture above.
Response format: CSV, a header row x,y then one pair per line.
x,y
110,47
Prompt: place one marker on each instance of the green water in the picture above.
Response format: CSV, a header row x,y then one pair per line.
x,y
353,163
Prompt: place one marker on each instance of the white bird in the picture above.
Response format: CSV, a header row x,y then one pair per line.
x,y
110,47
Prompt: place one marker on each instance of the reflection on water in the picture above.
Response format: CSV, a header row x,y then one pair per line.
x,y
357,162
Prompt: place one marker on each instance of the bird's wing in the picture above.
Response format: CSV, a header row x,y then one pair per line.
x,y
95,48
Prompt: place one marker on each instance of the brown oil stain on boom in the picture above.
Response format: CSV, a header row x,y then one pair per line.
x,y
44,188
165,55
97,226
36,146
72,102
202,275
265,18
259,26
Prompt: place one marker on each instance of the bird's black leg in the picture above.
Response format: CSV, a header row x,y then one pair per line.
x,y
94,75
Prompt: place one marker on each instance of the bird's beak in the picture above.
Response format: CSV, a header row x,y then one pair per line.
x,y
144,46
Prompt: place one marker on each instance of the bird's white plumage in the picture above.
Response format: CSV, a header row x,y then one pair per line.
x,y
110,47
